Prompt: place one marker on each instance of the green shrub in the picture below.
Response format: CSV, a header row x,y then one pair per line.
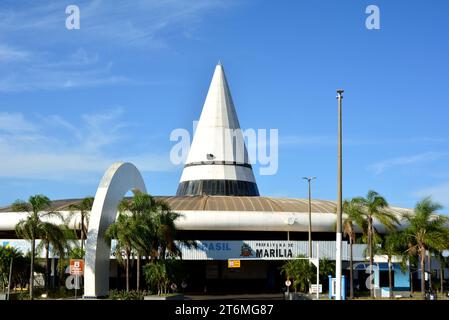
x,y
123,295
160,274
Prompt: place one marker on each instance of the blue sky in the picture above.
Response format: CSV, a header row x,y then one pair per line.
x,y
74,101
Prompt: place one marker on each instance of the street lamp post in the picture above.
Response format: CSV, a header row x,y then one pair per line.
x,y
309,179
339,198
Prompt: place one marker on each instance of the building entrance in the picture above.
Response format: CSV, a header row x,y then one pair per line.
x,y
214,277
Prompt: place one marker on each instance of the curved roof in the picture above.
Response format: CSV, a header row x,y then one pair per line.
x,y
230,203
235,203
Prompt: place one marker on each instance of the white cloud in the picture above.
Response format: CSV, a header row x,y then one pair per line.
x,y
439,193
382,166
9,54
15,123
117,26
73,166
76,152
46,72
125,23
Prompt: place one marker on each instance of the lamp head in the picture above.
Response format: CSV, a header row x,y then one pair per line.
x,y
309,178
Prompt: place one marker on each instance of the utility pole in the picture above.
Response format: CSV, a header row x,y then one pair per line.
x,y
339,198
309,179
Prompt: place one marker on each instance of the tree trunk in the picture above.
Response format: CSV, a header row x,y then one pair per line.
x,y
423,281
390,278
138,272
441,277
82,231
430,269
351,279
371,258
54,266
127,271
411,280
33,244
47,267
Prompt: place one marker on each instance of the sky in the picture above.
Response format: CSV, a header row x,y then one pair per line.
x,y
72,102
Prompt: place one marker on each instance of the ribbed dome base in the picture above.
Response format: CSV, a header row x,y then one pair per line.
x,y
218,188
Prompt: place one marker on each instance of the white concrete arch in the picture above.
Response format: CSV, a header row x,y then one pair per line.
x,y
116,182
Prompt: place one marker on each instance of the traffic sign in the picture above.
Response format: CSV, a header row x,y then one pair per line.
x,y
233,263
76,266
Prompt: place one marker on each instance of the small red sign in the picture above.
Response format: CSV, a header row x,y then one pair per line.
x,y
76,266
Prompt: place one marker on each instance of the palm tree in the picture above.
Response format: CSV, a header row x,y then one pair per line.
x,y
156,275
374,207
122,230
353,217
301,271
443,261
54,237
289,269
327,267
166,229
6,255
413,265
33,227
151,229
141,206
20,267
155,229
426,231
394,245
84,207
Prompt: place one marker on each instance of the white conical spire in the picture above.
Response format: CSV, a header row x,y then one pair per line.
x,y
218,151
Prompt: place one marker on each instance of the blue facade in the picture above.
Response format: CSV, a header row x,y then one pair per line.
x,y
401,279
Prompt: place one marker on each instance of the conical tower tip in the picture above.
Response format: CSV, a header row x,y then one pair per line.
x,y
218,162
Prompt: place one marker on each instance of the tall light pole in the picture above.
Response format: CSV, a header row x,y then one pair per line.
x,y
339,198
309,179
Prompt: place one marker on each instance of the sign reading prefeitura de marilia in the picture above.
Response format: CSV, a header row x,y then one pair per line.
x,y
270,250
